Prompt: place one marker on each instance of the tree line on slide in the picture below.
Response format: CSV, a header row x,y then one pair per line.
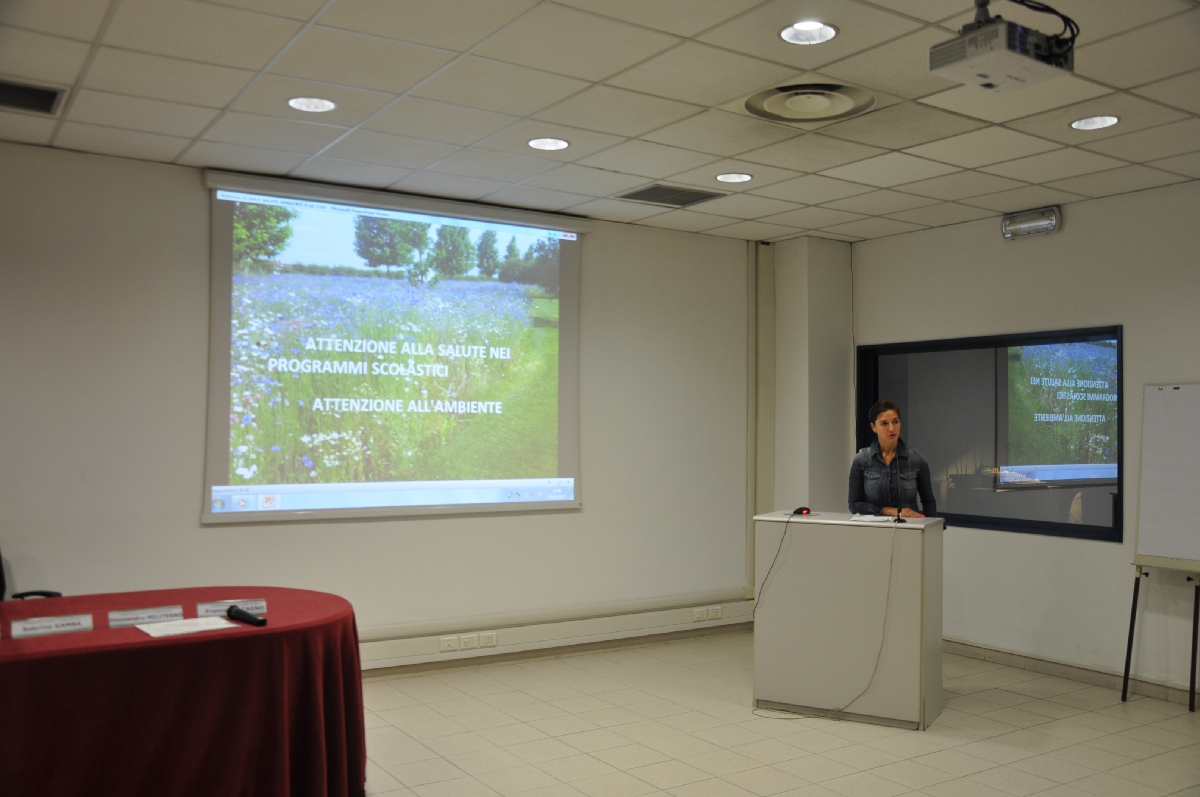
x,y
403,248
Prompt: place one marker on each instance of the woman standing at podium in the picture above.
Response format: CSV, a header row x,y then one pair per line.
x,y
888,477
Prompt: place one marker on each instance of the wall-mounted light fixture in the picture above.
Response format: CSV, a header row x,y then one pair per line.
x,y
1031,222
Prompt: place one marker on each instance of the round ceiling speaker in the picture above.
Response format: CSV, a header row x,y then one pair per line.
x,y
810,102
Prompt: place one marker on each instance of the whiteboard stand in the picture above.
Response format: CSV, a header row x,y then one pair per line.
x,y
1166,497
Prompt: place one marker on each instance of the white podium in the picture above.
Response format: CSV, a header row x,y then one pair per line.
x,y
827,622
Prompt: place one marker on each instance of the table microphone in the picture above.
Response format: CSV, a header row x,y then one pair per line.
x,y
243,616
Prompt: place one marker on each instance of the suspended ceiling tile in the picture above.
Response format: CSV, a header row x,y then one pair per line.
x,y
982,147
1098,19
496,86
754,231
888,170
1135,113
497,166
960,185
301,10
1117,181
39,57
1031,196
1181,91
1054,165
831,236
352,59
527,196
270,133
448,185
812,189
1150,53
647,159
747,206
706,176
26,128
247,159
899,67
875,228
199,32
880,203
162,78
687,220
138,113
928,10
617,111
681,17
697,73
941,214
122,143
813,217
516,140
336,170
451,24
616,210
721,133
269,96
1003,106
810,153
1181,164
437,121
859,27
71,19
1157,142
901,126
578,179
386,150
575,43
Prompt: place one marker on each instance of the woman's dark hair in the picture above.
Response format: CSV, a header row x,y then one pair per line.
x,y
880,407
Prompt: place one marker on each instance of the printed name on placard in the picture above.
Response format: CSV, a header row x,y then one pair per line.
x,y
159,614
41,626
255,606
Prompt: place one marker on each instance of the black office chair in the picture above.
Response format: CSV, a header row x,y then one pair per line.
x,y
20,596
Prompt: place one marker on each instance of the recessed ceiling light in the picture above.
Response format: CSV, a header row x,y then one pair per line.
x,y
808,31
312,104
734,177
1094,122
548,143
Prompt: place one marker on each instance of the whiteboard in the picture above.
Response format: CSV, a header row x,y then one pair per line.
x,y
1168,531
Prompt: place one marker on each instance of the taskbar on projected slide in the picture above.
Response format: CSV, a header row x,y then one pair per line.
x,y
375,495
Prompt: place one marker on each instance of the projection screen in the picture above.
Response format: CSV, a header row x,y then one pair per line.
x,y
379,355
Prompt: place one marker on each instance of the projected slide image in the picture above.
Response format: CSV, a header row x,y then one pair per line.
x,y
1062,412
381,346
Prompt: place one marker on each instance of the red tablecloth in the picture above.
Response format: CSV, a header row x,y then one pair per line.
x,y
241,712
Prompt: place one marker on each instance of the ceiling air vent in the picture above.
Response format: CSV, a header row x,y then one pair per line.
x,y
29,98
669,195
810,102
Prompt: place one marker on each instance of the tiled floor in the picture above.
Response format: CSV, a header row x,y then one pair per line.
x,y
674,718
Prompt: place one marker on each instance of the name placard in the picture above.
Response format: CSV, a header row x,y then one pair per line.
x,y
159,614
41,626
255,606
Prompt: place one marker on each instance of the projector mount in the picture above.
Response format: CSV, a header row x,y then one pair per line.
x,y
1061,45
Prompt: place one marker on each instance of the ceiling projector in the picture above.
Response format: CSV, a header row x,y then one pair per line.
x,y
999,55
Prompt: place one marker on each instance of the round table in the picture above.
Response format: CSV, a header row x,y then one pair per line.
x,y
240,712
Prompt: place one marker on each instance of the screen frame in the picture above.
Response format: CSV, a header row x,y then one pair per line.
x,y
867,393
216,461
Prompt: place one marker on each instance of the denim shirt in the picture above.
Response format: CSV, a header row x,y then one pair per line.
x,y
874,484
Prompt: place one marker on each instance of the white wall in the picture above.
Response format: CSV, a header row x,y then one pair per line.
x,y
813,374
103,347
1128,260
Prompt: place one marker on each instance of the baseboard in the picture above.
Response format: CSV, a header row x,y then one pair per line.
x,y
377,654
1095,677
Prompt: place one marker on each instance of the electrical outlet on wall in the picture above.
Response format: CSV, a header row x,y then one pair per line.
x,y
448,644
487,639
699,614
468,641
714,612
